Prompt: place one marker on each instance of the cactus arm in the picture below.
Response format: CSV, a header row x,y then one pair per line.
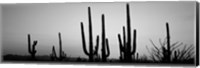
x,y
120,42
120,45
34,45
54,53
134,42
97,45
83,39
107,46
29,43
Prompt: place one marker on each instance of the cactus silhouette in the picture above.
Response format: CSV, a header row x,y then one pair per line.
x,y
166,51
175,56
32,50
53,55
62,53
184,55
125,48
168,43
91,53
105,43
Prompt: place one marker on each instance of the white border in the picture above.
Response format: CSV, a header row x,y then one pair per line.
x,y
62,1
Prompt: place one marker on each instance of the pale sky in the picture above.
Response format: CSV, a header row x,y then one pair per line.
x,y
44,21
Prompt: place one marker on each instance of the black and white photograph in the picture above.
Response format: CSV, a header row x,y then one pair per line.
x,y
110,33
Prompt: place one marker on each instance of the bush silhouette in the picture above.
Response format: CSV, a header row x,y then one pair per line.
x,y
170,52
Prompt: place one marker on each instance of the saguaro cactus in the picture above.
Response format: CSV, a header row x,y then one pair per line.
x,y
105,43
125,48
91,52
32,50
168,56
62,53
166,51
53,55
175,56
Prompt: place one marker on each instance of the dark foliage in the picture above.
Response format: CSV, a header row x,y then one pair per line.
x,y
171,53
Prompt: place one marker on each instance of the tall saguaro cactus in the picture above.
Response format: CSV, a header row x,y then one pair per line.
x,y
166,51
125,48
60,48
91,53
105,43
168,43
62,54
32,50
